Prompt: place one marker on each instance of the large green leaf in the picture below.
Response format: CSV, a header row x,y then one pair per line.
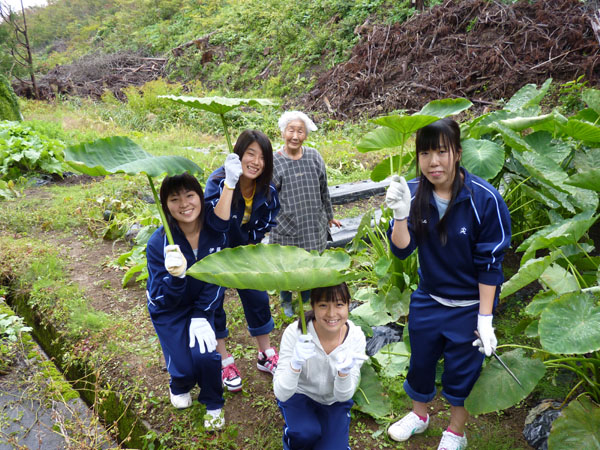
x,y
482,157
371,316
120,154
218,105
581,130
511,138
592,98
528,95
590,179
384,169
542,143
370,396
406,125
522,123
539,302
380,138
559,280
571,324
528,273
578,426
272,267
496,390
543,168
393,359
445,107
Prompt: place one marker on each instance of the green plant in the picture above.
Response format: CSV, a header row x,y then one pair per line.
x,y
11,327
23,151
9,105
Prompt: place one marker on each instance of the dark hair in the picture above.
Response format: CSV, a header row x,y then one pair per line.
x,y
175,184
244,140
329,294
429,137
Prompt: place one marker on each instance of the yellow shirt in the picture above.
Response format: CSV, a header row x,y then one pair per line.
x,y
248,209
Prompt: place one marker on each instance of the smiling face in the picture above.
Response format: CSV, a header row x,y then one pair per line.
x,y
438,165
185,206
330,316
294,136
253,161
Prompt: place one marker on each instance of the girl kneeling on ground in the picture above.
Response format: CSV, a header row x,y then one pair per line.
x,y
318,373
182,308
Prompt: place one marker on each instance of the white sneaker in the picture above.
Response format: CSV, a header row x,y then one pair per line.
x,y
181,401
450,441
214,419
407,426
230,375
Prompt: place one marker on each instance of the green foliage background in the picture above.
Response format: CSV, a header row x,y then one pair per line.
x,y
9,105
266,46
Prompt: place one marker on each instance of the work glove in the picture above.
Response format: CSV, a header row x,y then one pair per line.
x,y
233,170
487,341
397,197
175,262
201,331
304,349
347,360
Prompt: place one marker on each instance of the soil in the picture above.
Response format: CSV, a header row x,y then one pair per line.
x,y
254,410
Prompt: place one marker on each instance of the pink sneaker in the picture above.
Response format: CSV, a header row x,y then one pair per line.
x,y
267,360
230,375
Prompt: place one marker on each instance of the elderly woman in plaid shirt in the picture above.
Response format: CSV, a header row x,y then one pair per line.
x,y
301,179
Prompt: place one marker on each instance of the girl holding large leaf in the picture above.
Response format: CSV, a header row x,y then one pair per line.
x,y
319,372
300,176
461,227
254,208
182,308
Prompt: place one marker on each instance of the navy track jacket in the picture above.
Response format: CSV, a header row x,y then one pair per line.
x,y
186,296
478,235
261,220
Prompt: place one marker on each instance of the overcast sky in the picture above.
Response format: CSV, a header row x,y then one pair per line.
x,y
16,4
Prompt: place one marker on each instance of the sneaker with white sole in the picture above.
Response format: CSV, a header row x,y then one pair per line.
x,y
181,401
214,419
267,360
451,441
230,375
407,426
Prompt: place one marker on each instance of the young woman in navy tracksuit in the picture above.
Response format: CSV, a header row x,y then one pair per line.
x,y
253,211
182,308
461,227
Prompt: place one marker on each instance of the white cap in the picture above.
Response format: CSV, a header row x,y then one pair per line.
x,y
290,116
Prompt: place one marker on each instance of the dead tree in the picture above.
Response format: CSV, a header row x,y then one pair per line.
x,y
21,50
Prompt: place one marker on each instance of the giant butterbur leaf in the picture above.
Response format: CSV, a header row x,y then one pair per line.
x,y
522,123
393,359
218,105
543,168
272,267
370,396
380,138
496,390
539,303
555,149
581,130
370,315
592,98
445,107
384,169
528,95
482,157
406,125
511,137
559,279
528,273
589,179
120,154
571,324
578,426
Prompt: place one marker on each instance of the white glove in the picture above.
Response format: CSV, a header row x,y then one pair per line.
x,y
346,361
233,170
397,197
201,331
304,349
487,341
175,262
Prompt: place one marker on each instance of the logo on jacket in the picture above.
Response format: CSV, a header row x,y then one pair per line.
x,y
214,250
463,230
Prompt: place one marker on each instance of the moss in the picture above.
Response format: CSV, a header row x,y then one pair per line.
x,y
9,104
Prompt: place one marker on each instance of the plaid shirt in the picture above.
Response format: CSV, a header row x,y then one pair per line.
x,y
306,208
